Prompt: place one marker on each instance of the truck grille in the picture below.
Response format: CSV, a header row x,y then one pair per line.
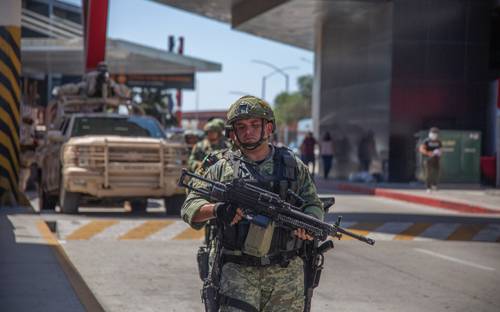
x,y
127,154
146,158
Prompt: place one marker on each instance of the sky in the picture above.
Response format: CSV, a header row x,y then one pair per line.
x,y
149,23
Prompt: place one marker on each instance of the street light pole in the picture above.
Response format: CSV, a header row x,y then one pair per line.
x,y
197,85
263,89
276,70
239,93
287,84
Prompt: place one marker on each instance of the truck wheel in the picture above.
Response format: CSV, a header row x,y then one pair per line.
x,y
173,204
46,201
69,201
139,205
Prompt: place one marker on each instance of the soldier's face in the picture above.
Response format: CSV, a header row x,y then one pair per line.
x,y
213,136
250,130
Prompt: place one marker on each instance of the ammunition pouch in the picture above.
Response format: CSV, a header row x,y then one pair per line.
x,y
202,258
258,239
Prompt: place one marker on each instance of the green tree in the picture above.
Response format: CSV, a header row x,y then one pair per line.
x,y
305,86
291,107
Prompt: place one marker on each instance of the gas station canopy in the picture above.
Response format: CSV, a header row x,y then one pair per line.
x,y
65,56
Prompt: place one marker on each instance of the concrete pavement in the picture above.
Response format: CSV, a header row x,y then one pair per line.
x,y
35,274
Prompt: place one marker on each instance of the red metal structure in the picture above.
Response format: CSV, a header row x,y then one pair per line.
x,y
95,15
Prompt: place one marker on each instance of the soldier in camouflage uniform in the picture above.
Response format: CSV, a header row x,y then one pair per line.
x,y
213,141
28,148
219,122
261,269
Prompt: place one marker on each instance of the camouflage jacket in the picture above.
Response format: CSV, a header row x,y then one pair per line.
x,y
211,159
222,171
201,150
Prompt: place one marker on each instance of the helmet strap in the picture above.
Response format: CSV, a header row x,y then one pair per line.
x,y
252,146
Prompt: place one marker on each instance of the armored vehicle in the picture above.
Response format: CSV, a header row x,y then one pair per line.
x,y
102,150
94,157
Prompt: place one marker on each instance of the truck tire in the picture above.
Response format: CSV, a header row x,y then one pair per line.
x,y
139,205
69,201
46,201
173,204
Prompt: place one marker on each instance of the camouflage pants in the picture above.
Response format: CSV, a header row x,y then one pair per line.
x,y
268,289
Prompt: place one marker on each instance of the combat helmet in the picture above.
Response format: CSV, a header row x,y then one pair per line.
x,y
219,122
250,107
214,125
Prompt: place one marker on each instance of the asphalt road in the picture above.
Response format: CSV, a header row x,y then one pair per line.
x,y
429,270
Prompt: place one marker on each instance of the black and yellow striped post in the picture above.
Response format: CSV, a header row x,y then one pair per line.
x,y
10,98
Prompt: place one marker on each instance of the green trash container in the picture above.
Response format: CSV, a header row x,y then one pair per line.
x,y
460,159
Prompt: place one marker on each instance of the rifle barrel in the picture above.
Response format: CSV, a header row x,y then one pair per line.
x,y
356,236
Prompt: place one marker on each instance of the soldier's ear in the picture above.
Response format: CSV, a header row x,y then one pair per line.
x,y
269,127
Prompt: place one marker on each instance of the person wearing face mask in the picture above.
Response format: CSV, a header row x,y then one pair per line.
x,y
214,141
261,267
431,151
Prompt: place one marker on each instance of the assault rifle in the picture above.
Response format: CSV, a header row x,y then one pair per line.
x,y
261,206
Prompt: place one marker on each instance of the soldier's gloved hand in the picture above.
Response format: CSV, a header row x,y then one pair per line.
x,y
301,233
224,212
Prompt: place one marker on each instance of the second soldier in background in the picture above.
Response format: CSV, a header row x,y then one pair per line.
x,y
214,141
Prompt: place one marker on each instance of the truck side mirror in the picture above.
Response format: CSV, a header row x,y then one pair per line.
x,y
55,136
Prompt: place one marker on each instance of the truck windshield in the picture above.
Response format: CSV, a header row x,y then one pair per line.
x,y
130,126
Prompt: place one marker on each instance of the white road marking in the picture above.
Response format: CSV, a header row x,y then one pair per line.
x,y
389,230
386,232
116,230
439,231
170,231
438,255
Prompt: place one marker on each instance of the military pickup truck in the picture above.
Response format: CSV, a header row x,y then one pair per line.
x,y
99,157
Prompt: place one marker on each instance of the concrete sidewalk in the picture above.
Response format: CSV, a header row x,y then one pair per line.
x,y
33,276
461,198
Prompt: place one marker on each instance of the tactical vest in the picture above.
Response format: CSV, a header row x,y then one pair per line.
x,y
239,240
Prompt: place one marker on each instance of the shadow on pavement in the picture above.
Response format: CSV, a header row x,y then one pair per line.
x,y
31,278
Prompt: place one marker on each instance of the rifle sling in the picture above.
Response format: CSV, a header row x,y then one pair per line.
x,y
236,303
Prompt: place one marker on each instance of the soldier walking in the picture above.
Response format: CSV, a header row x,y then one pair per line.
x,y
261,267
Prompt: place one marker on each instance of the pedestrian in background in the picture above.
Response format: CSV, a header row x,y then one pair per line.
x,y
431,150
326,150
307,151
366,151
